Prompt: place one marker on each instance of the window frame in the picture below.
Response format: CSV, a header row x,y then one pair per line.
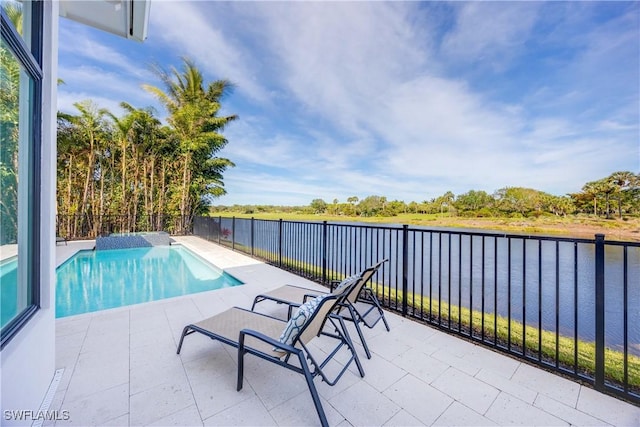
x,y
30,58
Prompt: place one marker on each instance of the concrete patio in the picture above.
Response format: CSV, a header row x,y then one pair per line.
x,y
121,368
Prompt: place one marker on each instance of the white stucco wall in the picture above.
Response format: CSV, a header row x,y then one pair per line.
x,y
28,360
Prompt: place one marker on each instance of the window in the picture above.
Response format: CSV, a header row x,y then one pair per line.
x,y
20,143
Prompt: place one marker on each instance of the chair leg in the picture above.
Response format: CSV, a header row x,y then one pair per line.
x,y
241,353
185,332
349,343
356,322
312,390
255,301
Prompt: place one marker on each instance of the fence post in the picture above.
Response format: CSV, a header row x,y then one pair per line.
x,y
599,262
405,268
252,252
324,252
233,233
219,229
280,243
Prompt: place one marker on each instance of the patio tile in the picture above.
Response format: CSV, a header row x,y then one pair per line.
x,y
115,340
376,412
418,398
403,418
188,416
498,381
97,371
388,347
422,366
273,383
566,413
554,386
489,360
380,373
145,320
118,421
72,325
108,321
466,389
348,379
454,345
213,383
249,412
157,402
509,410
300,411
413,334
459,415
98,408
461,363
607,408
154,373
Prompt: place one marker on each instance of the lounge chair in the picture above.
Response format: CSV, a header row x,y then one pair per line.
x,y
61,240
360,305
257,334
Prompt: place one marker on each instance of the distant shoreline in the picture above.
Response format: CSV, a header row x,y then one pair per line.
x,y
585,227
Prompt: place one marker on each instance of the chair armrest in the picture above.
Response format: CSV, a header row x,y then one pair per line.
x,y
262,337
306,297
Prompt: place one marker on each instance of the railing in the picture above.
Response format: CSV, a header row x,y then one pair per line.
x,y
571,306
74,227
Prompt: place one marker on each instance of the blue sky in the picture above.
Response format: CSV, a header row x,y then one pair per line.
x,y
406,100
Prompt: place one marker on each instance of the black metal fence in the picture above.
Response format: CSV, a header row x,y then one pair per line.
x,y
568,305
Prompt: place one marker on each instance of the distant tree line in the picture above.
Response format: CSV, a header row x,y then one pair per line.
x,y
136,167
618,194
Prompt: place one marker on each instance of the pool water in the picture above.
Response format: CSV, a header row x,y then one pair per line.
x,y
97,280
8,289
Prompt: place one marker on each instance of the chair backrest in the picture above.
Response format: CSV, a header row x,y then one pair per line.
x,y
329,302
316,321
366,275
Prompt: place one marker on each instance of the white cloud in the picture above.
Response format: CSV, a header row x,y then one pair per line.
x,y
76,41
67,99
194,30
490,33
358,98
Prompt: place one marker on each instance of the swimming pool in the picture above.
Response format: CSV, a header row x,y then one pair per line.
x,y
97,280
8,289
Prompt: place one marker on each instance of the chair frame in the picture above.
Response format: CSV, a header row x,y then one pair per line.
x,y
297,350
358,292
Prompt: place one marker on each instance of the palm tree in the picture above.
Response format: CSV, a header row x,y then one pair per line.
x,y
621,181
193,115
90,130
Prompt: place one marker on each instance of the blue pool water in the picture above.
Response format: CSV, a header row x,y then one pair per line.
x,y
8,289
97,280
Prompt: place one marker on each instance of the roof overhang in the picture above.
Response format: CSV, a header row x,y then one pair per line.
x,y
126,18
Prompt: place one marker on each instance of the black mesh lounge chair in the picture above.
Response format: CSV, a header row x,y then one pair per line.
x,y
360,305
257,334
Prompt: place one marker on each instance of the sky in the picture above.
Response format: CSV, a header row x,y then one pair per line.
x,y
406,100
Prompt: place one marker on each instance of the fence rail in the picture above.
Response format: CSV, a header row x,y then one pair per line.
x,y
568,305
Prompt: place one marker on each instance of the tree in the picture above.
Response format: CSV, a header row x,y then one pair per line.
x,y
318,206
621,182
90,133
473,201
193,115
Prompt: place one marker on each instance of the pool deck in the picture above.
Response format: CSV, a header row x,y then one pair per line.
x,y
121,369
